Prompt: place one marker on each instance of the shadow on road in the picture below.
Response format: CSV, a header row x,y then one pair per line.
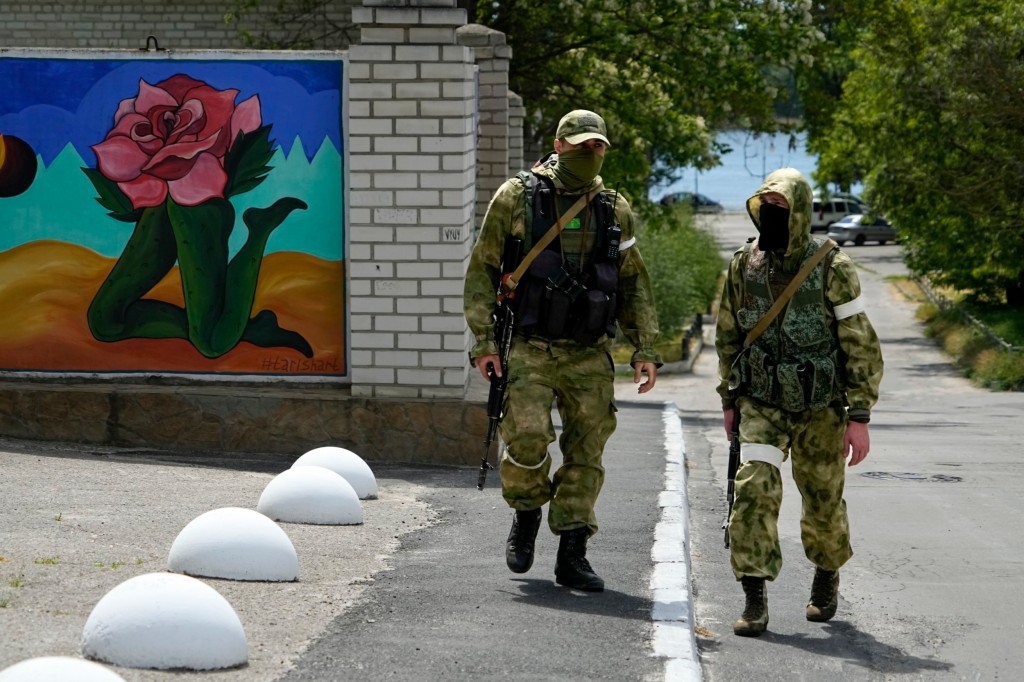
x,y
548,595
859,648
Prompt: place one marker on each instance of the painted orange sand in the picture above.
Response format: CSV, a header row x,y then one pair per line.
x,y
47,286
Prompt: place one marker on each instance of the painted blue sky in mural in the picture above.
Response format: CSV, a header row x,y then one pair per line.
x,y
63,106
50,102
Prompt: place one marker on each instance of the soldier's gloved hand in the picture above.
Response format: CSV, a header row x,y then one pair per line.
x,y
488,364
856,443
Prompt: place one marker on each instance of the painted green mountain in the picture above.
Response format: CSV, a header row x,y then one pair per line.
x,y
60,205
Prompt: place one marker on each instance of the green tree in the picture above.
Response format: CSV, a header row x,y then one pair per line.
x,y
683,262
665,74
820,80
931,116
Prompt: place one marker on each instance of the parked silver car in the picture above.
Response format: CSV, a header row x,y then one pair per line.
x,y
825,212
859,228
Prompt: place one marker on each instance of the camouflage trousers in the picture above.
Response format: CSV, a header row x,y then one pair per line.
x,y
579,380
814,438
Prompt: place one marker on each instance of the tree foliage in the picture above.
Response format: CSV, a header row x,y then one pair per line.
x,y
665,74
931,118
820,80
683,262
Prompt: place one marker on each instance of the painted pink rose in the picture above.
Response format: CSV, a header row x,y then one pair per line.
x,y
171,140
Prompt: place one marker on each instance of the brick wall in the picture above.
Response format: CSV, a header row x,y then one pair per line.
x,y
177,24
418,182
492,56
412,159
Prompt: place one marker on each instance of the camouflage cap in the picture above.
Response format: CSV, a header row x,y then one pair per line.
x,y
581,125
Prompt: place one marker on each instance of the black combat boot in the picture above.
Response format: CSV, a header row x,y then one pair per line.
x,y
824,596
754,620
519,547
571,566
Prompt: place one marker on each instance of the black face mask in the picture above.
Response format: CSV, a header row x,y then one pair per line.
x,y
774,228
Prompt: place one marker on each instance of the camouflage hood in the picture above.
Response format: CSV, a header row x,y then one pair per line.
x,y
791,184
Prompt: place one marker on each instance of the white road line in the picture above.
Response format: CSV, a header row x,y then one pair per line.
x,y
674,639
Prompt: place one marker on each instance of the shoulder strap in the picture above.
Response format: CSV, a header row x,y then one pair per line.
x,y
511,281
788,292
529,181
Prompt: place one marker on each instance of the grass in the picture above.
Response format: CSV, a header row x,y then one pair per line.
x,y
671,351
17,582
48,561
984,361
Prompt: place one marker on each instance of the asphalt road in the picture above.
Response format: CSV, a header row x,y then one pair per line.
x,y
420,590
934,590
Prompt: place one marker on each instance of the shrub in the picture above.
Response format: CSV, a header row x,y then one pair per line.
x,y
683,262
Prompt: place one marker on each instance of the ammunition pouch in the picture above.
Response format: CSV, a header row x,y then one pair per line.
x,y
792,386
560,304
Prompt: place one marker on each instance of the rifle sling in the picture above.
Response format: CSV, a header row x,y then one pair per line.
x,y
788,292
511,281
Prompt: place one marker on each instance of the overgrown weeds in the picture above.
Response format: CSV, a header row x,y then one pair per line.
x,y
983,359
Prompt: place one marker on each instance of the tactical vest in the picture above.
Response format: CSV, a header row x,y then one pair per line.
x,y
793,365
569,290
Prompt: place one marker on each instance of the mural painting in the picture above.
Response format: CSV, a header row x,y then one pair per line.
x,y
171,216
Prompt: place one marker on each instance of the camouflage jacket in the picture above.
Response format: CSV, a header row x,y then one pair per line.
x,y
859,351
635,314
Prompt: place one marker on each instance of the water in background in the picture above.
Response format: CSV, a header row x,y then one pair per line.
x,y
743,169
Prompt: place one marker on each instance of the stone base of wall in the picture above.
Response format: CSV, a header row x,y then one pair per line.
x,y
239,422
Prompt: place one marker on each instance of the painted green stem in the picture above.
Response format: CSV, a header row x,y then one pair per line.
x,y
218,295
118,310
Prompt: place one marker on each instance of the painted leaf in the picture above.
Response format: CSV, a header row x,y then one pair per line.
x,y
246,161
111,197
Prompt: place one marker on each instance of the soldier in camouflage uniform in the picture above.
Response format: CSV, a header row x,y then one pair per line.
x,y
804,388
552,361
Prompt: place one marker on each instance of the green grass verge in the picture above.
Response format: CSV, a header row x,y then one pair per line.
x,y
987,363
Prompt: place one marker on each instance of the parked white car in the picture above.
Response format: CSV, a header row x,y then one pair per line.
x,y
827,211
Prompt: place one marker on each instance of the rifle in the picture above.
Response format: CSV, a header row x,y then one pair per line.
x,y
504,329
734,464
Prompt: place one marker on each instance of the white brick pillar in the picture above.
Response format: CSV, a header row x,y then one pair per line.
x,y
516,114
492,57
411,174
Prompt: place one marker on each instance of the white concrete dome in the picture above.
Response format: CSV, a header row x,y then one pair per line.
x,y
234,543
311,494
347,464
164,621
58,669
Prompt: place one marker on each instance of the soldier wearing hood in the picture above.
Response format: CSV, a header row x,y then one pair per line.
x,y
585,282
803,389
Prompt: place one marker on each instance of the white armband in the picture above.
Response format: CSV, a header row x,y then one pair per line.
x,y
850,309
626,244
760,452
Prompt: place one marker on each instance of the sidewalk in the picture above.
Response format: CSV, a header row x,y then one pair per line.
x,y
78,522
